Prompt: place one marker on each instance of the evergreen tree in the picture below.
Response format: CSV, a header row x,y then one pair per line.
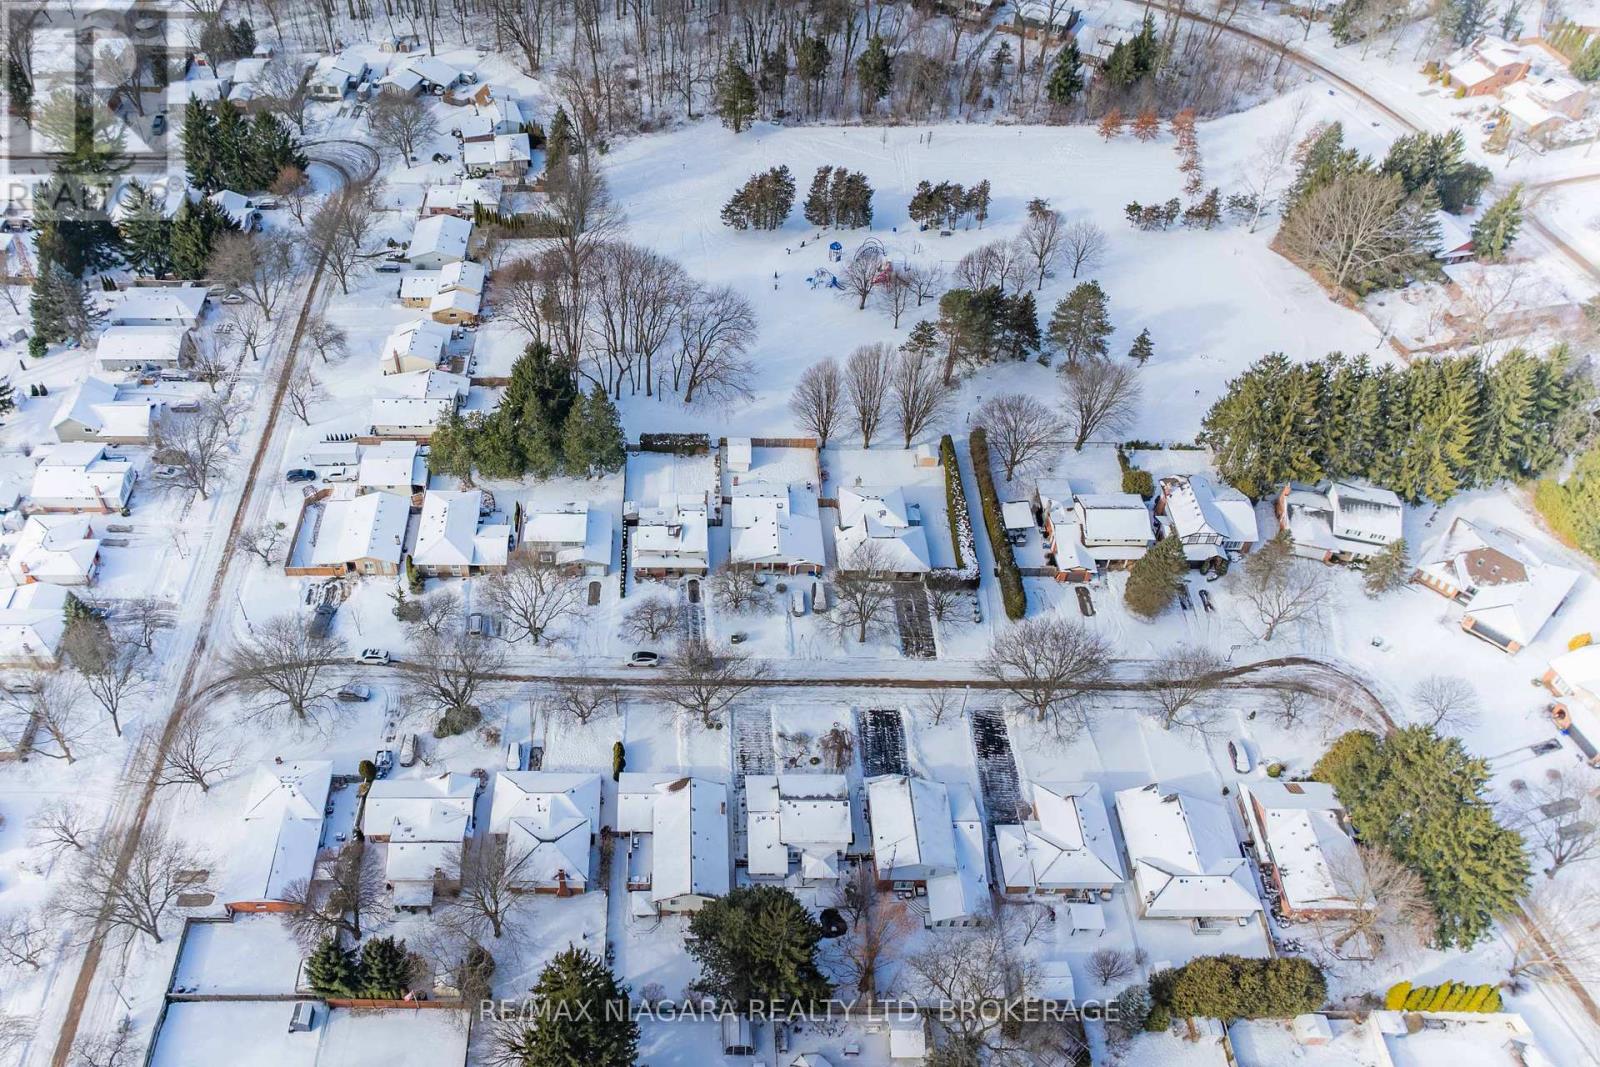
x,y
970,323
146,233
976,203
528,423
1568,504
271,150
1388,570
199,137
874,73
1156,578
1463,20
593,438
559,141
1142,348
852,199
386,969
232,149
763,202
580,1017
450,449
332,972
1325,159
819,198
1080,323
1438,159
1207,212
757,944
1495,233
811,61
1019,330
1066,75
195,230
60,307
734,94
8,400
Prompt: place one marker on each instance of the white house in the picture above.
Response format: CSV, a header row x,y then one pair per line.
x,y
1340,520
678,851
464,198
504,155
95,411
81,477
670,540
425,821
240,209
913,838
1185,858
282,835
363,535
1574,680
453,540
159,305
880,518
438,240
961,897
336,76
1507,591
33,620
419,402
58,549
576,535
776,528
398,467
415,346
550,822
1303,843
1212,520
1085,532
133,348
1066,849
802,818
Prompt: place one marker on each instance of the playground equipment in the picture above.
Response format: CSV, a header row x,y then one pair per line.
x,y
823,278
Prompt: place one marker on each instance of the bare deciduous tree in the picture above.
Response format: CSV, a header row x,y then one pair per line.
x,y
328,341
491,880
715,329
136,896
305,391
438,613
1045,237
401,123
1560,936
1048,665
1391,908
946,595
112,670
342,227
450,672
878,926
1275,588
260,267
864,591
1083,245
1182,680
937,704
1109,965
1101,397
266,541
1356,230
281,667
202,753
334,904
142,619
894,294
584,701
52,707
926,282
703,681
196,447
737,589
867,375
652,618
1560,816
25,940
818,400
534,597
107,1048
1022,432
861,275
918,395
1446,701
61,826
983,966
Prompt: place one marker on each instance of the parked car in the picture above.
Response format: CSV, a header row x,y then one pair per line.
x,y
1085,602
300,474
340,474
384,761
158,125
355,693
408,750
322,620
644,659
516,756
1240,755
480,625
1205,600
373,657
389,268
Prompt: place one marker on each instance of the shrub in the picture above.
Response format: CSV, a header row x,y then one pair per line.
x,y
1238,987
1135,480
1395,999
457,721
619,760
1416,998
37,346
1159,1021
679,444
414,580
1011,591
1274,770
955,501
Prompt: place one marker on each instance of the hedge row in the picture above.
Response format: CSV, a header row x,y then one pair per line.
x,y
678,444
1451,996
955,502
1011,592
1239,987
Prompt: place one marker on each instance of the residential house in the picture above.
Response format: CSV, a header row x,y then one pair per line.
x,y
398,467
438,240
1212,520
1507,591
1340,521
416,346
274,859
961,897
95,411
878,527
1455,240
137,348
1088,532
550,823
1486,66
1574,680
1184,855
678,852
81,477
361,535
670,540
797,818
58,549
575,535
453,295
505,155
465,199
1065,849
425,822
159,305
240,209
33,621
436,75
419,402
454,539
776,527
335,76
1304,846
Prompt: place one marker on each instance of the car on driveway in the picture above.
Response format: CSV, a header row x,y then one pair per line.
x,y
301,474
384,761
1085,603
1205,600
373,657
644,659
355,693
1184,602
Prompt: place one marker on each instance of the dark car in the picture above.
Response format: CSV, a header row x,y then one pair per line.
x,y
1085,604
301,474
1205,600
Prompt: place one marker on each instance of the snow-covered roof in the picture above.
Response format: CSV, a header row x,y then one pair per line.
x,y
420,399
169,304
370,526
32,622
440,235
774,523
94,404
671,533
1473,72
1017,515
392,465
463,274
53,548
463,196
1186,859
1509,589
435,70
463,301
807,812
435,808
912,836
1521,103
881,506
1067,844
1201,511
1349,517
580,532
964,892
689,826
141,344
549,820
880,515
420,341
283,830
238,207
80,474
449,533
1301,827
1113,519
1579,672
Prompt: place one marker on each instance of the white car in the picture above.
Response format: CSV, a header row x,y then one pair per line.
x,y
373,657
644,659
1240,755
